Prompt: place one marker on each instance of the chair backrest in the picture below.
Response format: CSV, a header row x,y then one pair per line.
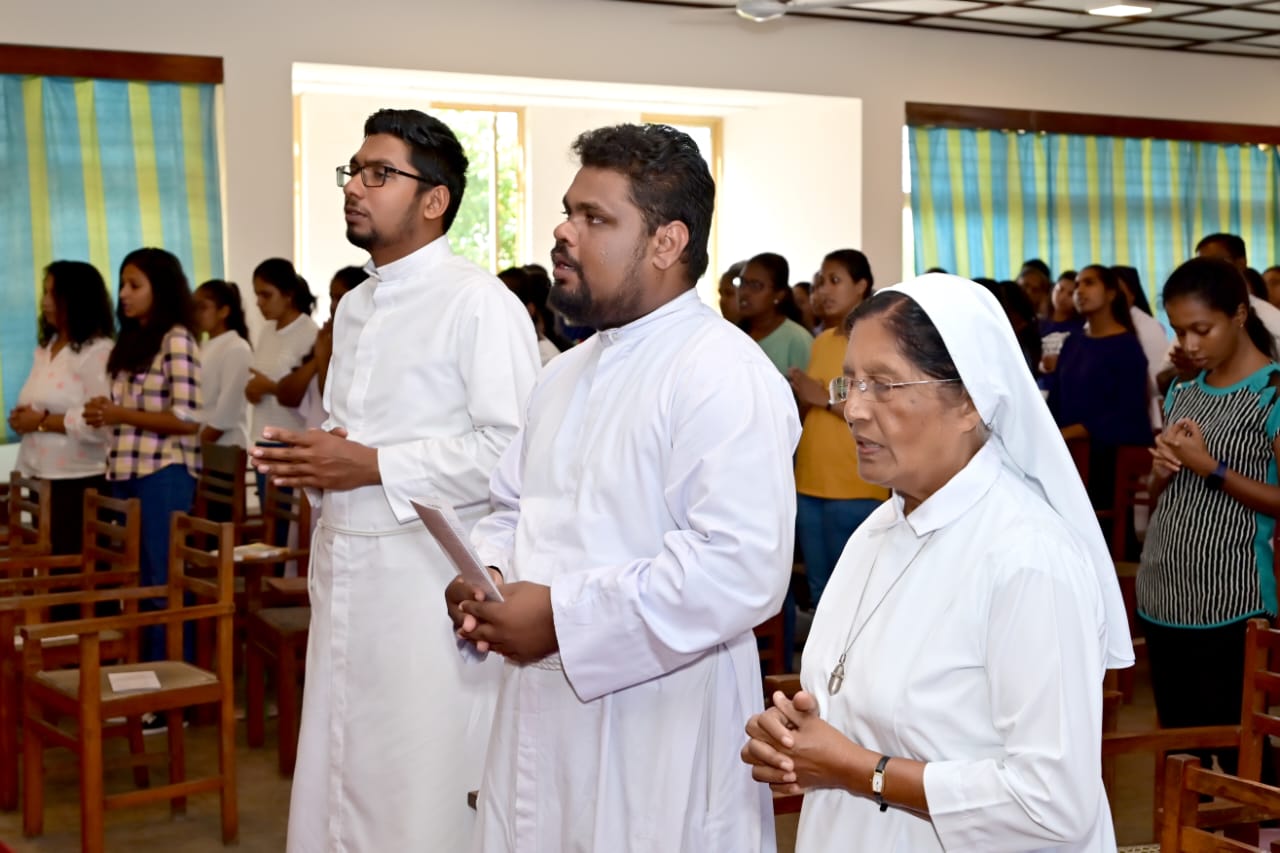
x,y
30,516
769,637
208,576
1186,782
1079,450
1133,467
112,537
281,507
220,491
1261,693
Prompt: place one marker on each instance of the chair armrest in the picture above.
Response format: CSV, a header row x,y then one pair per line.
x,y
788,683
19,562
87,596
1169,740
50,583
125,622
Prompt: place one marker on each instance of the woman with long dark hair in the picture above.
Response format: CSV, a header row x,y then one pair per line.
x,y
1207,562
154,409
1098,388
225,357
68,369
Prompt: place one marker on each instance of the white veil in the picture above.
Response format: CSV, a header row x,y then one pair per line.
x,y
982,345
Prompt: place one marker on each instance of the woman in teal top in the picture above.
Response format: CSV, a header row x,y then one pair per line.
x,y
1207,563
768,312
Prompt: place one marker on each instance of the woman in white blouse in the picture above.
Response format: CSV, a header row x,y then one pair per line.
x,y
225,357
69,368
952,681
285,301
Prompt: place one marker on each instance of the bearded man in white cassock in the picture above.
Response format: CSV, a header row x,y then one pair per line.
x,y
643,525
433,361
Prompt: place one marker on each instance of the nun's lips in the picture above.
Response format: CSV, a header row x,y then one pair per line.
x,y
866,447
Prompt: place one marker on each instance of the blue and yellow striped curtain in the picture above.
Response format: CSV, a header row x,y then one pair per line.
x,y
95,169
983,201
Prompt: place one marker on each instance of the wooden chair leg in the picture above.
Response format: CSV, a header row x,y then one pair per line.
x,y
177,759
138,749
287,700
227,770
255,710
10,710
92,804
33,779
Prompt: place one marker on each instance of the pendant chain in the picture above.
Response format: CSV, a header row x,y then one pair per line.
x,y
836,681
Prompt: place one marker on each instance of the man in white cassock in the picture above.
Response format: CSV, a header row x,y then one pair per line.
x,y
433,362
643,526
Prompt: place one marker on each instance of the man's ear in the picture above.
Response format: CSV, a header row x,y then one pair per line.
x,y
670,242
435,202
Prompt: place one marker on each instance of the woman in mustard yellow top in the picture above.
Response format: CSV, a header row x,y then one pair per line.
x,y
832,499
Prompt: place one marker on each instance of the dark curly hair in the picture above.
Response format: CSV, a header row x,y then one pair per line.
x,y
171,305
81,301
434,151
670,181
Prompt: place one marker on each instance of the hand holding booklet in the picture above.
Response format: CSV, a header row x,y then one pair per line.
x,y
443,523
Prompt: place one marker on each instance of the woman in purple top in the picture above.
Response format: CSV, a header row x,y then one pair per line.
x,y
1098,388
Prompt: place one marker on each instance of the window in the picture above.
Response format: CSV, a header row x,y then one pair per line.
x,y
489,229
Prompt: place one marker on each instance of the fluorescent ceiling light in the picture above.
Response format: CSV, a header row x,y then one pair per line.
x,y
1119,10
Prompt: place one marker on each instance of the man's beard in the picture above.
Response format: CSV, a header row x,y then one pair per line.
x,y
372,239
579,306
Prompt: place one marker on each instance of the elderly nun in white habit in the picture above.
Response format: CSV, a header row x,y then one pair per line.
x,y
952,681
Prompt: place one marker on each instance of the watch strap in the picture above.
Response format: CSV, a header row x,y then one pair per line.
x,y
877,782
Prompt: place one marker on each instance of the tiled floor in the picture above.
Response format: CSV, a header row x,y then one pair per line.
x,y
264,801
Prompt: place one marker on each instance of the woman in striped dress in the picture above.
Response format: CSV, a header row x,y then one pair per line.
x,y
1207,564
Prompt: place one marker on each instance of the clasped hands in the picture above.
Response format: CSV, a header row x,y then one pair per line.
x,y
521,627
794,750
1181,445
100,412
24,419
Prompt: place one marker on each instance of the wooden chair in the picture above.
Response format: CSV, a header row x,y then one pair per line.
x,y
86,694
1247,801
772,653
109,557
221,494
29,518
1261,690
276,641
1133,467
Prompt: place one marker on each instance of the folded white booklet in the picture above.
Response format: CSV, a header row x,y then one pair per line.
x,y
446,527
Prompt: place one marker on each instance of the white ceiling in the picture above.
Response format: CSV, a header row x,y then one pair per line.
x,y
1235,27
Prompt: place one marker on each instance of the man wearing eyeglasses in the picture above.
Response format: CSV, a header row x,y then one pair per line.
x,y
643,525
433,361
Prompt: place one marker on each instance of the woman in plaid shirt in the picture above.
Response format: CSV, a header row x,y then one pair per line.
x,y
154,408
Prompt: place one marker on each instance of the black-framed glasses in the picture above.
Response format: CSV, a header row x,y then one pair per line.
x,y
839,388
375,174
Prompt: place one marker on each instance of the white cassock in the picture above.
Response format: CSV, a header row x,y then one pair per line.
x,y
983,656
652,489
433,362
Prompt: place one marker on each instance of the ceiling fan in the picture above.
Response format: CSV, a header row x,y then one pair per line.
x,y
760,11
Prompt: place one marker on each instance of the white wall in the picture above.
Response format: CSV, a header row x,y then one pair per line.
x,y
790,184
623,42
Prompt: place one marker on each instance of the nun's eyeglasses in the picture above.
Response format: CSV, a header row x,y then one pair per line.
x,y
839,388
